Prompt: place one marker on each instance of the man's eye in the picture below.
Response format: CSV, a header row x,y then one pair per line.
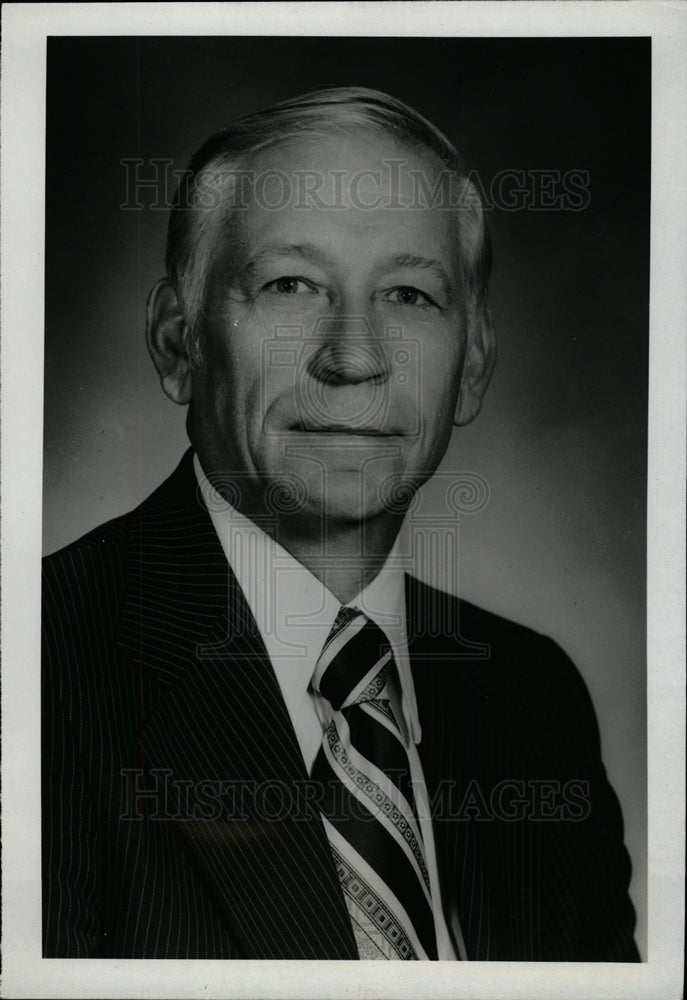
x,y
289,286
406,295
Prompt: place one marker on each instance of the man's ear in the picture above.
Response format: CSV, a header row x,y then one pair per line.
x,y
166,336
480,358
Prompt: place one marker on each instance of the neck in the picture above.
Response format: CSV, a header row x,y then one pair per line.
x,y
346,557
343,554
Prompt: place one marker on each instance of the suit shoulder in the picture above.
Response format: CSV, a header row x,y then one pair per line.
x,y
83,581
102,546
527,667
476,624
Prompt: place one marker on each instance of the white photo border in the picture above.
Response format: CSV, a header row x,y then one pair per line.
x,y
25,31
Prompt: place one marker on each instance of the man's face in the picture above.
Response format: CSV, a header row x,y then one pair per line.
x,y
335,336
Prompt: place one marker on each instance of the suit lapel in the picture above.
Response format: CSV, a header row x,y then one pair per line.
x,y
453,679
222,729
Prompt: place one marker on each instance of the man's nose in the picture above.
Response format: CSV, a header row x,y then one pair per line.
x,y
349,350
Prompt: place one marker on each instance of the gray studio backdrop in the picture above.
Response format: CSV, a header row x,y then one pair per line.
x,y
557,132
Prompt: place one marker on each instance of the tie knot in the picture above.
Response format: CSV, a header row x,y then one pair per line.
x,y
354,662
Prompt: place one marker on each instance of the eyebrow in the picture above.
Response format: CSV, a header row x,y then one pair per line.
x,y
413,260
312,253
306,250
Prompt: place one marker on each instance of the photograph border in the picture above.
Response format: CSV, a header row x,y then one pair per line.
x,y
25,30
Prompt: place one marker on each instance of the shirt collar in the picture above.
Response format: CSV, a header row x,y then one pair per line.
x,y
294,611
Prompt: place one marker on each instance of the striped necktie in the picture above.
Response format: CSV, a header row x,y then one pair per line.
x,y
368,808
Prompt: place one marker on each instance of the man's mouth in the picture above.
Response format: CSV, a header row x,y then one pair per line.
x,y
337,428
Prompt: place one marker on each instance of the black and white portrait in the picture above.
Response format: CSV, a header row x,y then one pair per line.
x,y
344,498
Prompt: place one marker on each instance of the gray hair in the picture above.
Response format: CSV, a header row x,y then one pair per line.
x,y
210,183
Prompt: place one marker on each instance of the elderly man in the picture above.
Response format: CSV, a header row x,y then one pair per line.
x,y
262,739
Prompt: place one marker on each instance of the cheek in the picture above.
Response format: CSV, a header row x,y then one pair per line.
x,y
440,362
438,382
235,358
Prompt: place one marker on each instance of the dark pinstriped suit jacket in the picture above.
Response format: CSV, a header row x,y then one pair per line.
x,y
159,702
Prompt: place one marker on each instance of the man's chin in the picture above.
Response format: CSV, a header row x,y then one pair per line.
x,y
345,495
347,500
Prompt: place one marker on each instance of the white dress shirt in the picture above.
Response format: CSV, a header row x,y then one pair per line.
x,y
295,612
